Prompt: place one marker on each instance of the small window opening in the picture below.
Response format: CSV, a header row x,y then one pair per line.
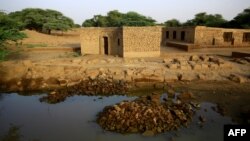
x,y
246,37
228,36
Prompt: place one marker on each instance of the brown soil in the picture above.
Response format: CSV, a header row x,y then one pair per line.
x,y
56,39
40,46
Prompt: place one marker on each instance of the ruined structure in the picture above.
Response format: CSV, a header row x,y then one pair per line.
x,y
201,36
146,41
122,41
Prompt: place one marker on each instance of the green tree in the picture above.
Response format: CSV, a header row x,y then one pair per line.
x,y
77,25
55,20
89,23
9,31
172,23
100,21
242,20
204,19
43,20
135,19
116,19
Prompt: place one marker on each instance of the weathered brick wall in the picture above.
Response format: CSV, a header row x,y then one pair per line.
x,y
89,40
92,40
146,41
209,37
142,41
189,34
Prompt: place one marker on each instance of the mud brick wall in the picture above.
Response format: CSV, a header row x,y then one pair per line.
x,y
146,41
89,41
214,37
92,40
142,41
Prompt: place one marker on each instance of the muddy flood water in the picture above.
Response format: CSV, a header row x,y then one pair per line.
x,y
23,117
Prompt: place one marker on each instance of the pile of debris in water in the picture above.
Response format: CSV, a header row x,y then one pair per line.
x,y
88,87
148,115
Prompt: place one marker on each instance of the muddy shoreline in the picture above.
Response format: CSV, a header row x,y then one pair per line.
x,y
105,75
52,74
230,99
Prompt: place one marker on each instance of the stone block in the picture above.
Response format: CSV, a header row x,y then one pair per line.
x,y
170,76
204,66
172,66
187,77
167,60
237,78
201,76
76,61
213,66
196,67
194,58
225,65
92,74
204,58
185,67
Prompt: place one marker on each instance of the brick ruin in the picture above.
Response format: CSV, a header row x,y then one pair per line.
x,y
205,37
146,41
122,41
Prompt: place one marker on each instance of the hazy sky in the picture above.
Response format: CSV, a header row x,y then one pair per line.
x,y
160,10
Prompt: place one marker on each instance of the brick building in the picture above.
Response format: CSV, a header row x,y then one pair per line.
x,y
122,41
146,41
205,37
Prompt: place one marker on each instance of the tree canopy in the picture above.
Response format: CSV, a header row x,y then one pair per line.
x,y
42,20
117,19
242,20
172,23
205,19
9,31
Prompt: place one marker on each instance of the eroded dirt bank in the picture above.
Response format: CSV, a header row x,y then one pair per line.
x,y
58,73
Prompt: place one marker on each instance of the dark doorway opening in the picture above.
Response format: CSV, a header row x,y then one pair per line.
x,y
183,35
118,42
174,35
167,34
106,45
213,41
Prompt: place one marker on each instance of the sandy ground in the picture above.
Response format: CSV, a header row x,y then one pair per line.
x,y
63,68
71,39
36,46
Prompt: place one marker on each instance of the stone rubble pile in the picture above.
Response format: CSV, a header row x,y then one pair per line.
x,y
147,115
88,87
195,62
